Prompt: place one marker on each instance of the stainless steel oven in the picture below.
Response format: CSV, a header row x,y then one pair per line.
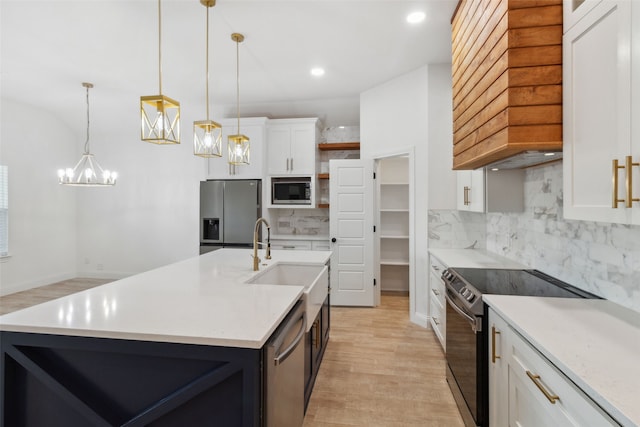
x,y
467,323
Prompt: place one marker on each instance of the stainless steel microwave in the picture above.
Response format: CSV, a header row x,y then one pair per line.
x,y
291,190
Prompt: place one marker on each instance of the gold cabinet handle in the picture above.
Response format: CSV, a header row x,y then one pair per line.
x,y
614,178
494,332
536,380
435,292
466,196
628,169
629,164
435,320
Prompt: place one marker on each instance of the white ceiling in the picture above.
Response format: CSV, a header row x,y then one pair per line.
x,y
49,47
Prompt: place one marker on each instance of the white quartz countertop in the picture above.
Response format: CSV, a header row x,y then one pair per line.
x,y
202,300
474,258
596,343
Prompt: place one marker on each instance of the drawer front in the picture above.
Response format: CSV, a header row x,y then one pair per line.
x,y
438,321
300,245
436,289
436,266
534,383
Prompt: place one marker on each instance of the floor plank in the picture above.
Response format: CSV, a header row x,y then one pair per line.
x,y
379,369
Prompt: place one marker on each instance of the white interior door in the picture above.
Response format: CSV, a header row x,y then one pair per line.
x,y
351,229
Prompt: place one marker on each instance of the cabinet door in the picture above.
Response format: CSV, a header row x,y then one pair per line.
x,y
470,190
303,149
498,371
278,150
596,111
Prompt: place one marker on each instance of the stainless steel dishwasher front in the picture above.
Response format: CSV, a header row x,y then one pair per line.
x,y
284,371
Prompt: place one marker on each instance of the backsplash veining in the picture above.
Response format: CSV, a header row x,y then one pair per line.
x,y
310,222
456,229
598,257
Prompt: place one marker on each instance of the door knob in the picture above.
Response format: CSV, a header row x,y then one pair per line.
x,y
333,240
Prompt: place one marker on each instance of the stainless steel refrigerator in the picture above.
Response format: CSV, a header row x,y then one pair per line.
x,y
228,213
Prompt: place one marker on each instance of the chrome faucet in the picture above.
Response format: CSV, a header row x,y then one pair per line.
x,y
256,242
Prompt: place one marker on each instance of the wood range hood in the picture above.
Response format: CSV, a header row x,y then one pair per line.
x,y
507,83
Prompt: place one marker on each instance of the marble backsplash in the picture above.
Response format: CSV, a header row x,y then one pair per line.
x,y
309,222
601,258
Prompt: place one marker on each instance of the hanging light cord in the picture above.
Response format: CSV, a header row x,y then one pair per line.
x,y
238,81
207,59
86,143
160,47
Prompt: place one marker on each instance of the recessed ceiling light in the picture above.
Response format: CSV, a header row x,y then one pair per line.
x,y
549,154
317,72
416,17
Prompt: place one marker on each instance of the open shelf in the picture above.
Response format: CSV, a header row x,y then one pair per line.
x,y
333,146
394,262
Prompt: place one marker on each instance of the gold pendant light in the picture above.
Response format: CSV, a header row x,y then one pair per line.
x,y
207,134
160,114
238,144
87,172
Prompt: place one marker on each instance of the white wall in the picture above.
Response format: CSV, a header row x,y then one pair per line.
x,y
42,214
413,111
150,218
393,117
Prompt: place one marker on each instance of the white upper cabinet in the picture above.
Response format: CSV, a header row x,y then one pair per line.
x,y
291,146
255,129
601,56
481,190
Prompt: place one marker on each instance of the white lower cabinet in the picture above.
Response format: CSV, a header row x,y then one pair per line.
x,y
527,390
437,304
301,245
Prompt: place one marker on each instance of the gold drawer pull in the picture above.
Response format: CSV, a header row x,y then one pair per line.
x,y
494,332
536,380
435,320
614,178
435,292
629,164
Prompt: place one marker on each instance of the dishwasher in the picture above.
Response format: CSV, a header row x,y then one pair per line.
x,y
284,371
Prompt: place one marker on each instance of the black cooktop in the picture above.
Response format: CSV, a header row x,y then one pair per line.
x,y
518,282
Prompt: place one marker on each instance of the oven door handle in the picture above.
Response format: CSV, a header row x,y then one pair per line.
x,y
476,324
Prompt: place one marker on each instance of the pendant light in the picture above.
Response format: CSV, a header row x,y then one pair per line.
x,y
238,144
160,114
207,134
87,172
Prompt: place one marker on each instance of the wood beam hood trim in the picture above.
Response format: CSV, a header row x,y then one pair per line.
x,y
507,79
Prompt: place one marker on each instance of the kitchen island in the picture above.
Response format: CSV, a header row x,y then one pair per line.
x,y
165,347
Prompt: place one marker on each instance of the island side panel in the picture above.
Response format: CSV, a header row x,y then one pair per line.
x,y
62,380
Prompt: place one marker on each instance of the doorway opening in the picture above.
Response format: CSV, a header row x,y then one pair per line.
x,y
394,219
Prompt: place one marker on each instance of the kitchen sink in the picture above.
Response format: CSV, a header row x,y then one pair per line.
x,y
314,278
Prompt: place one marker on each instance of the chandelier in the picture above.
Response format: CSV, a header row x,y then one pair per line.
x,y
87,172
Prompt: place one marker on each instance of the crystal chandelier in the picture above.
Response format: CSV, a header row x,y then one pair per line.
x,y
87,172
160,114
238,144
207,134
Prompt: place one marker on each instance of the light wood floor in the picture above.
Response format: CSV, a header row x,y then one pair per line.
x,y
42,294
379,369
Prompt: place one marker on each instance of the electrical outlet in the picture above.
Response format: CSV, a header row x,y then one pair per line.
x,y
99,267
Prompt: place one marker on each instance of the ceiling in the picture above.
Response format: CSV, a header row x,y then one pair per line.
x,y
49,47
